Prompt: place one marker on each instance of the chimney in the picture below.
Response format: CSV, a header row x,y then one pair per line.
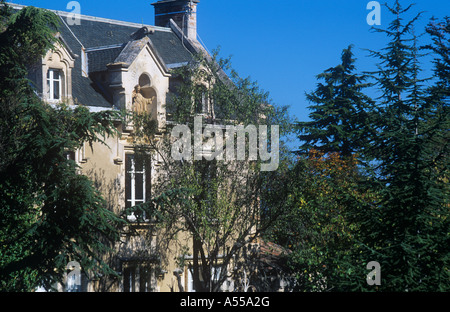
x,y
182,12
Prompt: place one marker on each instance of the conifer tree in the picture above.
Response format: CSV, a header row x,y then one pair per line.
x,y
326,181
440,35
404,224
339,111
407,232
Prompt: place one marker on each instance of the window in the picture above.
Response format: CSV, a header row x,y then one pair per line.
x,y
129,279
137,278
54,84
215,275
201,100
137,184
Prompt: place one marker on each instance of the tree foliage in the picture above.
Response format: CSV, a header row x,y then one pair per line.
x,y
410,227
49,214
216,202
340,115
395,211
321,189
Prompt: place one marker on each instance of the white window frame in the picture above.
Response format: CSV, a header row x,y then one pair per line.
x,y
133,201
215,273
51,82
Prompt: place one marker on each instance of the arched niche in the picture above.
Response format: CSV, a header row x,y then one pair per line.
x,y
145,96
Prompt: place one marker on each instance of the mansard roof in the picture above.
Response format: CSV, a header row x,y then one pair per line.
x,y
103,41
102,33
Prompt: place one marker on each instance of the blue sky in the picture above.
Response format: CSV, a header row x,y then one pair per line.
x,y
280,44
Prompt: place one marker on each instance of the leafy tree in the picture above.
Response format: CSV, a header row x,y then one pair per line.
x,y
319,192
49,214
215,201
328,185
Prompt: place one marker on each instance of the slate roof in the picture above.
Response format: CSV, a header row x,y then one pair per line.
x,y
104,40
98,59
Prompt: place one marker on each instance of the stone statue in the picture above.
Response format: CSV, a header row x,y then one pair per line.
x,y
141,103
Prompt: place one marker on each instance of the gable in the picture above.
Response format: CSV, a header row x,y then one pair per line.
x,y
99,33
103,42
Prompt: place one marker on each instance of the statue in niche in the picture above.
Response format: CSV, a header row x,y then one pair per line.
x,y
141,104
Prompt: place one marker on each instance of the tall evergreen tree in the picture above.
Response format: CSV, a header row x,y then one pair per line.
x,y
339,111
326,183
440,35
407,233
404,223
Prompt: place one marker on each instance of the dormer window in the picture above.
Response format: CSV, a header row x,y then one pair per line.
x,y
54,84
56,75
